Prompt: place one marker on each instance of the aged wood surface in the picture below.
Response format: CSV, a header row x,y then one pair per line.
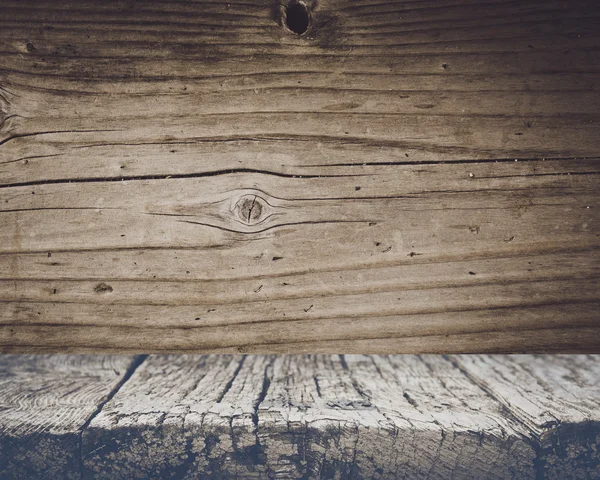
x,y
308,417
45,403
416,176
386,417
557,397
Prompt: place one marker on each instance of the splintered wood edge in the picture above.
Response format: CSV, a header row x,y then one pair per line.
x,y
48,401
258,416
557,397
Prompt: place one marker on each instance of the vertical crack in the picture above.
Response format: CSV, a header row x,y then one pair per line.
x,y
257,452
366,397
317,385
133,366
231,380
262,395
251,207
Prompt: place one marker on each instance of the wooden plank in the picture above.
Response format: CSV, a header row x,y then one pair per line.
x,y
180,416
45,403
304,417
316,416
386,417
417,176
556,397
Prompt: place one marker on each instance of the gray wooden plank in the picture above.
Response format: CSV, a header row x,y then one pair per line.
x,y
556,397
45,403
180,416
292,417
304,417
386,417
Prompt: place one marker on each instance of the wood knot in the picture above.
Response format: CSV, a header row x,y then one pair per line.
x,y
250,209
295,15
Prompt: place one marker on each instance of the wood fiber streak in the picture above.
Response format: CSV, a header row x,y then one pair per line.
x,y
404,177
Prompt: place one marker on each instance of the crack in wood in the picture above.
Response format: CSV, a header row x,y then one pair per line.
x,y
232,171
280,225
409,119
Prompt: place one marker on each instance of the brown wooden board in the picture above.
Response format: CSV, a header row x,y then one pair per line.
x,y
415,176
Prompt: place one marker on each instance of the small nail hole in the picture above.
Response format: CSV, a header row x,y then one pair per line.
x,y
297,17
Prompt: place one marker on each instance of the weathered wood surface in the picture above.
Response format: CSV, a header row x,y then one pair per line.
x,y
557,398
310,417
45,403
415,176
386,417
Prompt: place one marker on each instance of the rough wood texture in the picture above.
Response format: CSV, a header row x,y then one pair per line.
x,y
557,398
181,417
408,176
45,403
294,417
395,417
305,417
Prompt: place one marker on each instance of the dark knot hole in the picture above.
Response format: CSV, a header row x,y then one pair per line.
x,y
297,17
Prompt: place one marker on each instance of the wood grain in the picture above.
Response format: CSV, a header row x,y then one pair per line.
x,y
46,401
186,417
557,397
304,417
293,416
300,417
405,177
386,417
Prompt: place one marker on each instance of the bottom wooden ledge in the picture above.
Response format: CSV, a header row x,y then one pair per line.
x,y
293,417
